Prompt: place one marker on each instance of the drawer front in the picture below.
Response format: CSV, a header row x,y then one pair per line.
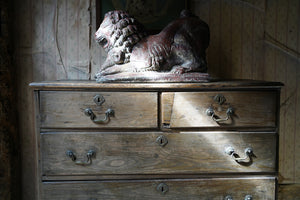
x,y
60,109
217,109
209,189
66,154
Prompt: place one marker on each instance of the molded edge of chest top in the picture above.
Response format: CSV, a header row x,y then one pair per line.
x,y
213,85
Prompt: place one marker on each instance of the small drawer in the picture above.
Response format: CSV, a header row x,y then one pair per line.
x,y
213,189
94,153
219,109
61,109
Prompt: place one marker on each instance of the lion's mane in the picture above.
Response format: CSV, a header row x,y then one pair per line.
x,y
126,33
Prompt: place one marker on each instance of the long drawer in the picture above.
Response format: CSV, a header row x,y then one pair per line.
x,y
208,189
65,109
98,153
219,109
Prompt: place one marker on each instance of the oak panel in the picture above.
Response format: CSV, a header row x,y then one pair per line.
x,y
140,153
289,192
188,109
60,109
213,189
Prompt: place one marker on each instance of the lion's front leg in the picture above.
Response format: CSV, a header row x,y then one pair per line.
x,y
115,69
114,57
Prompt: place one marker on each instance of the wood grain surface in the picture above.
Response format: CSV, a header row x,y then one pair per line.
x,y
289,192
205,189
139,153
217,84
66,109
251,109
45,49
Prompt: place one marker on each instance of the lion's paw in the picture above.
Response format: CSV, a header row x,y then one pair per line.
x,y
178,70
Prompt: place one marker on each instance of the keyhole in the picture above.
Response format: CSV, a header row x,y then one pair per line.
x,y
220,99
161,140
99,100
163,188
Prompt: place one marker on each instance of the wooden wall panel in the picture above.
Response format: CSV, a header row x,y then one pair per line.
x,y
247,42
77,40
52,41
36,51
258,40
292,84
237,29
280,75
214,49
236,38
289,192
269,61
252,39
282,30
48,38
61,39
297,124
24,65
98,55
225,40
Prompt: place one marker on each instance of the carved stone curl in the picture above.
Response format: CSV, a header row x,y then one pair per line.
x,y
176,54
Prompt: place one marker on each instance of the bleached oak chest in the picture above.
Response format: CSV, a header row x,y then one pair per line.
x,y
215,140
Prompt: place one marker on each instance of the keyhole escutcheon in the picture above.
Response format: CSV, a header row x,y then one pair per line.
x,y
99,99
162,188
162,140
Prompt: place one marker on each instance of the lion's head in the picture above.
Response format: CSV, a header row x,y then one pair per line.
x,y
118,33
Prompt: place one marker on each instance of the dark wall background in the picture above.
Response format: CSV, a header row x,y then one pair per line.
x,y
9,146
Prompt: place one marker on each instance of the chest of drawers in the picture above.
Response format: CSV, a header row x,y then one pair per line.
x,y
214,140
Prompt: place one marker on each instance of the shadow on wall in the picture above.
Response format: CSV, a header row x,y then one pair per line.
x,y
9,140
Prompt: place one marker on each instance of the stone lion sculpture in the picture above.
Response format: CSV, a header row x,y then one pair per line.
x,y
177,53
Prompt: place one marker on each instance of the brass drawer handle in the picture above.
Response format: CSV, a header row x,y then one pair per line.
x,y
210,112
246,159
162,188
247,197
228,197
110,112
90,154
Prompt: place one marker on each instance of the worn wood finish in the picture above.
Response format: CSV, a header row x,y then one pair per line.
x,y
213,189
259,39
281,63
212,85
139,153
130,146
37,155
66,109
289,192
35,23
188,109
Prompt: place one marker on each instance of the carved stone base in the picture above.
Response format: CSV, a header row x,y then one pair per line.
x,y
154,77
